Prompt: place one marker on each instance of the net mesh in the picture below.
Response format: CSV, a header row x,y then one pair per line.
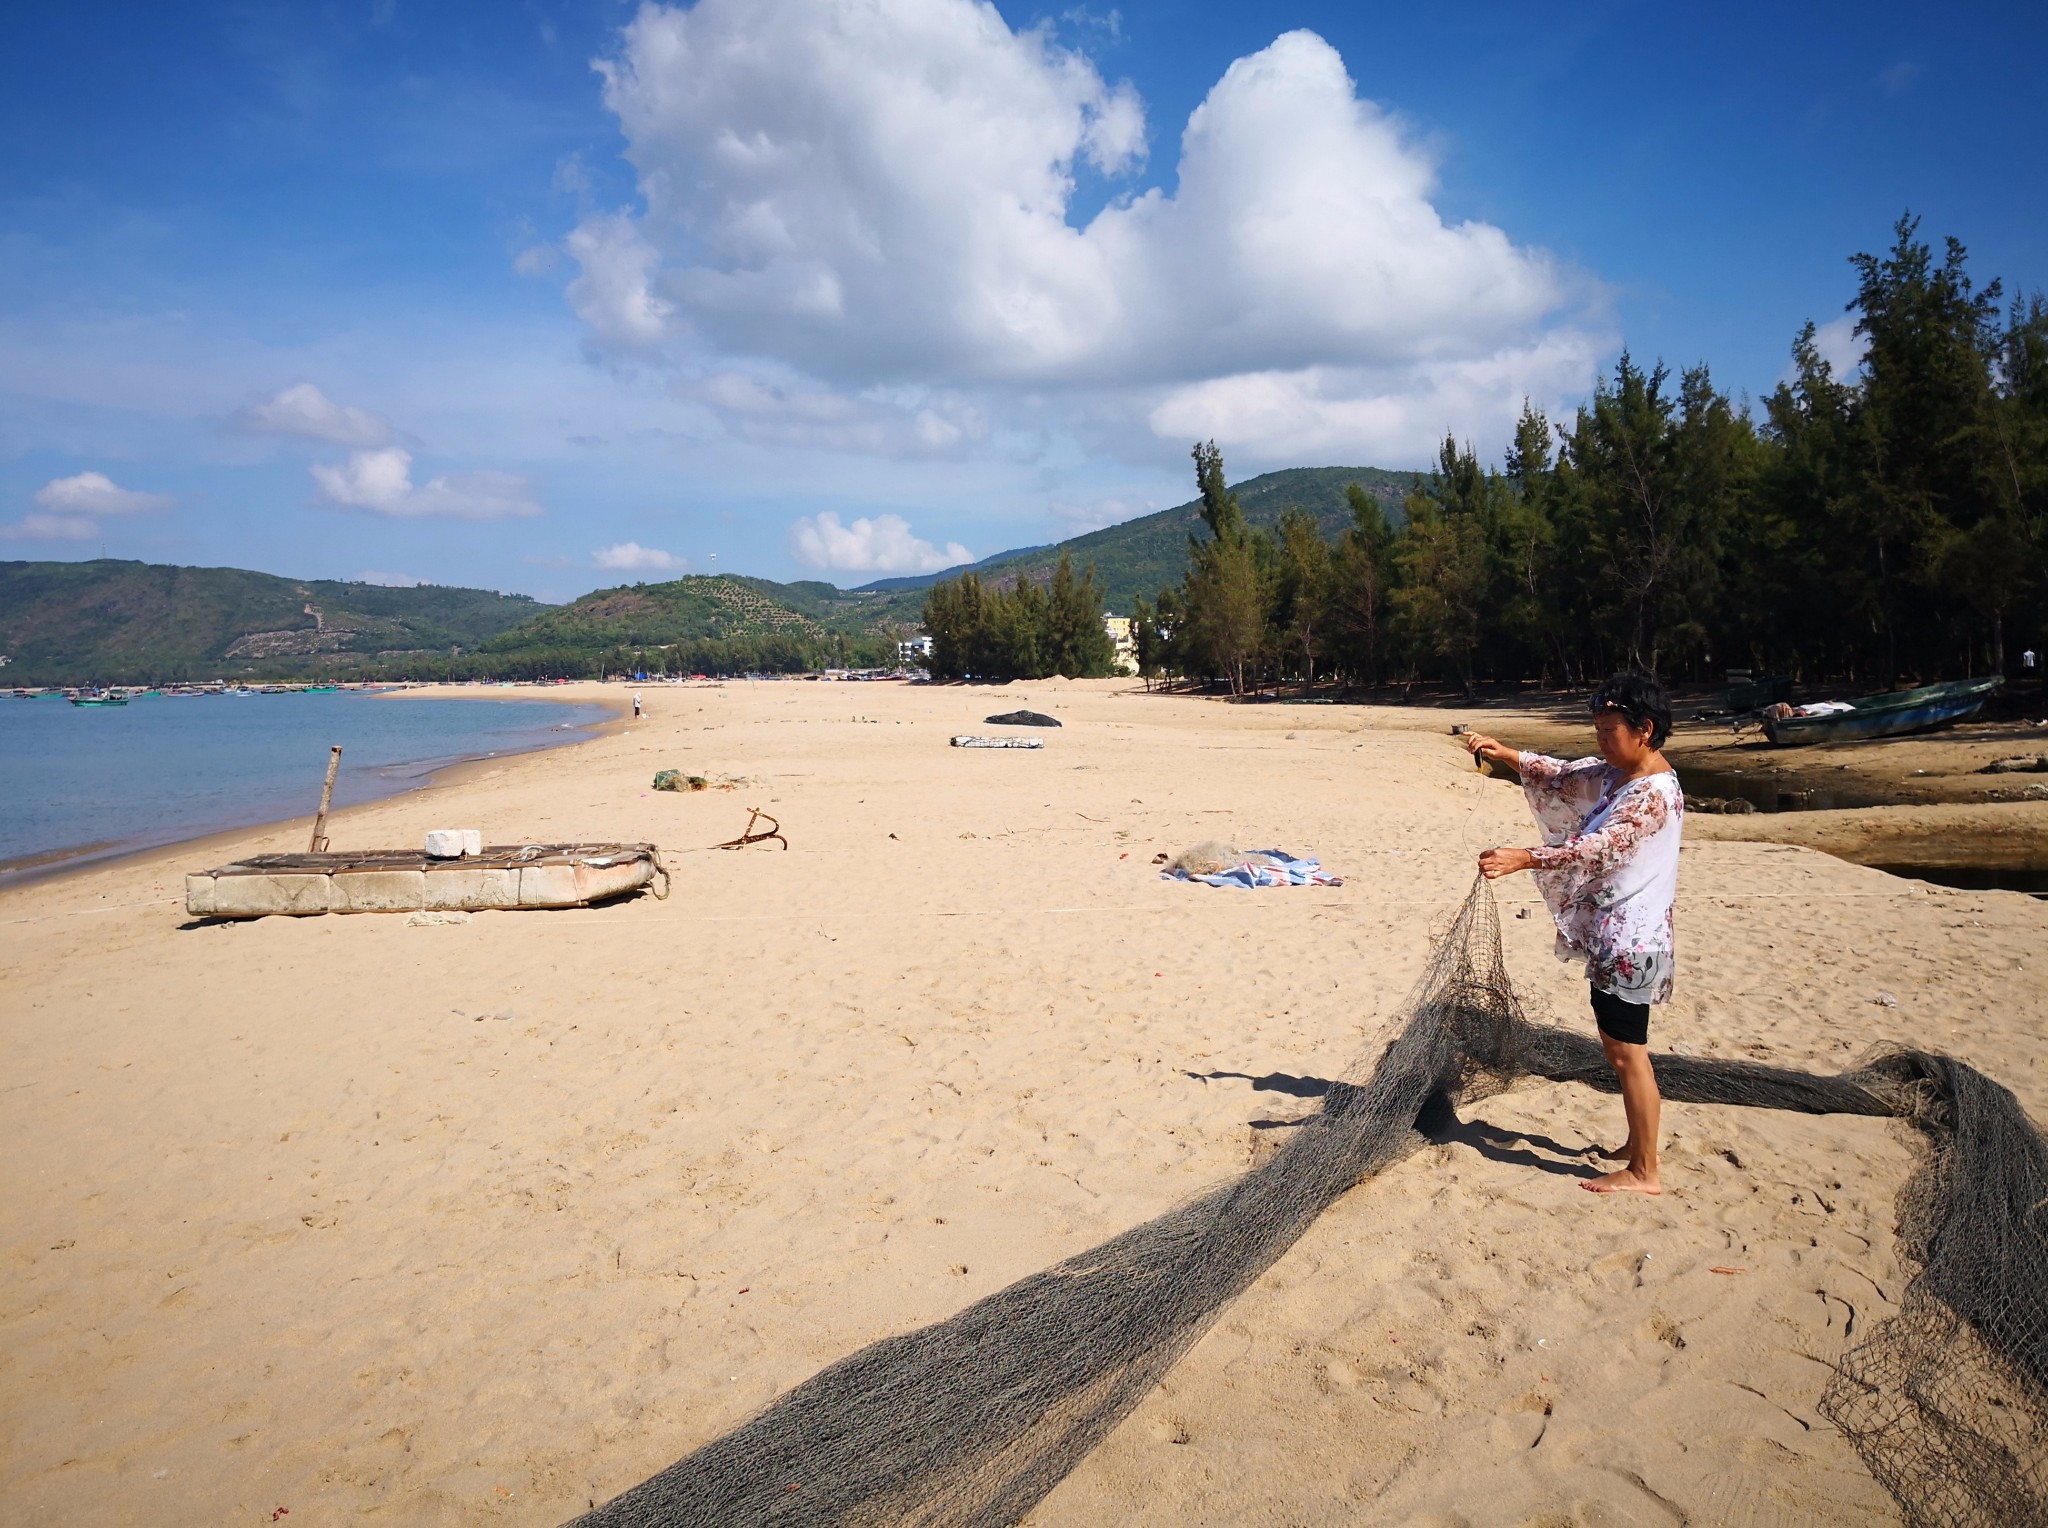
x,y
973,1420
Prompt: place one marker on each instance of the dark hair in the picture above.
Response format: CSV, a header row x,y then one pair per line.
x,y
1641,701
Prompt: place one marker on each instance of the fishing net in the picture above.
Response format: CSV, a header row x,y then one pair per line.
x,y
973,1420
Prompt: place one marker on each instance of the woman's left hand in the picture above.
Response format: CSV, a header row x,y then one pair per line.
x,y
1495,863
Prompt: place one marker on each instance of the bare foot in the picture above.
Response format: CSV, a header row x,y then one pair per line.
x,y
1627,1181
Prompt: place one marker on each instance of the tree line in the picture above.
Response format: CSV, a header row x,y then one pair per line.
x,y
1024,631
1887,525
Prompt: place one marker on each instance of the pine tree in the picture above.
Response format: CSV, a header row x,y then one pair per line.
x,y
1441,557
1361,576
1076,642
1302,593
1225,588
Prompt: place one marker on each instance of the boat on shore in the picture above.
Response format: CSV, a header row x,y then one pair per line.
x,y
1892,714
507,876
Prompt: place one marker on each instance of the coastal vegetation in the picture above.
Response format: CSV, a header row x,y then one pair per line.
x,y
1887,524
1024,631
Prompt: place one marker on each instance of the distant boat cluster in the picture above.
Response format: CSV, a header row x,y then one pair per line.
x,y
120,695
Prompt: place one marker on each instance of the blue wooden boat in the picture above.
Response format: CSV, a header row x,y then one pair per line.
x,y
1888,715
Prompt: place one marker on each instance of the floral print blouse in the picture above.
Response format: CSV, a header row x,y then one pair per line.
x,y
1609,870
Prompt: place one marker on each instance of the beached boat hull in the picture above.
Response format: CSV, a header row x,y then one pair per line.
x,y
404,881
1875,716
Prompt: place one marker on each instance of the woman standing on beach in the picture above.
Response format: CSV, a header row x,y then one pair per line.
x,y
1608,869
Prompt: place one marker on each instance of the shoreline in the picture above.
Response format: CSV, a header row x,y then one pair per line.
x,y
55,866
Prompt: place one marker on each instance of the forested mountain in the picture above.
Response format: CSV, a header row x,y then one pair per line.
x,y
117,621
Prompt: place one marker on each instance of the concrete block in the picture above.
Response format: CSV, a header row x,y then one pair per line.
x,y
444,843
262,896
199,896
472,841
472,890
379,891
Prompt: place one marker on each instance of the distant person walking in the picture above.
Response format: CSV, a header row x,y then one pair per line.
x,y
636,705
1608,869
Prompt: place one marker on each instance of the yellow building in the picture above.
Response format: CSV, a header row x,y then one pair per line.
x,y
1119,629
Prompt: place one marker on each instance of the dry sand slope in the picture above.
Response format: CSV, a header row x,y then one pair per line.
x,y
480,1223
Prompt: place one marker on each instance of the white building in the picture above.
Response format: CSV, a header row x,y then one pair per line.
x,y
912,652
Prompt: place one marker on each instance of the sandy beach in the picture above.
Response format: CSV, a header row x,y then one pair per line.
x,y
485,1222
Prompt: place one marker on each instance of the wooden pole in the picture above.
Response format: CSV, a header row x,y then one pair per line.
x,y
326,796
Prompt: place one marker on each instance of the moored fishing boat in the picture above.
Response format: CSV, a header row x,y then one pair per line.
x,y
1892,714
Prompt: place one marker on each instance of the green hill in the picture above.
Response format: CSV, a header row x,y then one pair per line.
x,y
717,607
722,622
115,621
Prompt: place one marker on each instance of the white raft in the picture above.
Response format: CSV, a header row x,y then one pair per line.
x,y
408,881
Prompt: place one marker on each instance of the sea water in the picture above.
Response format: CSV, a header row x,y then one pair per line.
x,y
81,782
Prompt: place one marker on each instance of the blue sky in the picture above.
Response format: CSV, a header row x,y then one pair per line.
x,y
809,290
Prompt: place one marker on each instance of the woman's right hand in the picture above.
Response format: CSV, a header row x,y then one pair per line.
x,y
1481,746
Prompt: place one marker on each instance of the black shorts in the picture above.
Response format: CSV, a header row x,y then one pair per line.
x,y
1619,1019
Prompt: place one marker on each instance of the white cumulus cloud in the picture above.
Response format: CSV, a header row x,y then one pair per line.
x,y
1321,413
631,555
883,544
50,528
872,422
304,411
878,196
380,483
613,293
1079,519
94,493
1840,345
